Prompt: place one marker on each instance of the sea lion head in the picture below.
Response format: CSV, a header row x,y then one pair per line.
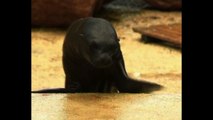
x,y
99,42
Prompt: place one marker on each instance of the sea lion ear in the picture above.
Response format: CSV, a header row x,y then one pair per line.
x,y
118,39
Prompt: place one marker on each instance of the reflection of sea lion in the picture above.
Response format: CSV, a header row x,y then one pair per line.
x,y
93,61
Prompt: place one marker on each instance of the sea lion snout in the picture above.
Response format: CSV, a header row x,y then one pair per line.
x,y
103,61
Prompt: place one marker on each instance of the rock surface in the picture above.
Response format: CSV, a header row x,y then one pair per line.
x,y
166,4
61,12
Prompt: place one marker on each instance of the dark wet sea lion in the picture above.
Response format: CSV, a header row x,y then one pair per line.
x,y
93,61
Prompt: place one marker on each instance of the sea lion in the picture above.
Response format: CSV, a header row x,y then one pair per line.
x,y
93,61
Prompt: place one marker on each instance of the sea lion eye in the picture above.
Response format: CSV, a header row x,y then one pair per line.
x,y
93,46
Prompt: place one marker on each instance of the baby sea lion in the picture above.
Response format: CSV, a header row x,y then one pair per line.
x,y
93,61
